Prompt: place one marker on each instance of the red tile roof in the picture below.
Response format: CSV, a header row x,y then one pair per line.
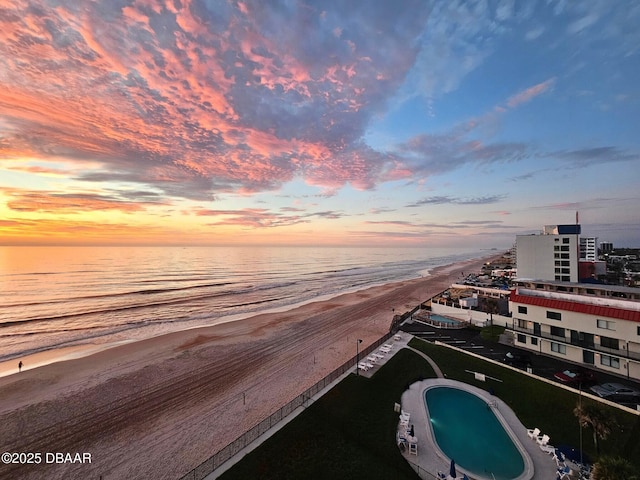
x,y
586,308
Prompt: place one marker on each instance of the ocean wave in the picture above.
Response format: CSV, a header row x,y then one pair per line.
x,y
106,300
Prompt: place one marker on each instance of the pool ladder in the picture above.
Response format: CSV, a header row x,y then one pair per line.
x,y
493,404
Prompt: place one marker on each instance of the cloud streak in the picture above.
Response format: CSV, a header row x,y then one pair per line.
x,y
264,218
447,200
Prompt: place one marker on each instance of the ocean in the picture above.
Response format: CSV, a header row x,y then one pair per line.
x,y
57,297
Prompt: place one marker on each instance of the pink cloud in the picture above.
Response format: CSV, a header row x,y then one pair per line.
x,y
530,93
55,202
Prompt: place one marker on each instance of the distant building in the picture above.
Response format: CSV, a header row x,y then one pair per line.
x,y
589,271
606,247
589,248
594,325
552,255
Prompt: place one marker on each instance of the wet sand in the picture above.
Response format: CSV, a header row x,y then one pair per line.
x,y
158,408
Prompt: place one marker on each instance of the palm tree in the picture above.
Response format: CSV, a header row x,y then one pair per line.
x,y
598,419
613,468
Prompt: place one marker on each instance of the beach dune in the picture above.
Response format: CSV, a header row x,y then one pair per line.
x,y
159,407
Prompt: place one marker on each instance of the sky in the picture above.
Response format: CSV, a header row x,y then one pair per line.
x,y
392,123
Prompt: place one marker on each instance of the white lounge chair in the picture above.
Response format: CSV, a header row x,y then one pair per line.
x,y
378,356
413,448
404,414
548,449
372,359
543,440
363,366
387,345
564,473
559,458
533,433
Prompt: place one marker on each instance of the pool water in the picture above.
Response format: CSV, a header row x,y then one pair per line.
x,y
440,318
467,431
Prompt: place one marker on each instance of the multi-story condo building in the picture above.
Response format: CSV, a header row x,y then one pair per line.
x,y
606,247
594,325
551,255
589,248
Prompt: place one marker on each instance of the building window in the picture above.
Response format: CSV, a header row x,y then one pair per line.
x,y
557,332
557,263
522,323
609,342
534,341
606,324
556,248
587,357
558,348
564,255
554,315
556,255
522,309
565,278
565,263
564,248
565,240
609,361
638,330
522,338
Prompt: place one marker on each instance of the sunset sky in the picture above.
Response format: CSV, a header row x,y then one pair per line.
x,y
318,123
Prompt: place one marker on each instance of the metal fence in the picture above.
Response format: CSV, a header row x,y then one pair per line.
x,y
226,453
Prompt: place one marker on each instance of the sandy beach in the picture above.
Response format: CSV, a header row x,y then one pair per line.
x,y
159,407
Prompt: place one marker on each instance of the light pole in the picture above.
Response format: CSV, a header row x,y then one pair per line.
x,y
358,356
579,422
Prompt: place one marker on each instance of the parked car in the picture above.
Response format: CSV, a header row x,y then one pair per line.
x,y
517,359
616,392
576,377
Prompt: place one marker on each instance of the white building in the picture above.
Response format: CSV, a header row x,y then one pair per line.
x,y
589,248
594,325
551,255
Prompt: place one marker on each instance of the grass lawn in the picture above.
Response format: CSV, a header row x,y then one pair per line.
x,y
350,431
492,332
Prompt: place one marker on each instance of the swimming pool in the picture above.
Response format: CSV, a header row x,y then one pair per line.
x,y
440,318
467,430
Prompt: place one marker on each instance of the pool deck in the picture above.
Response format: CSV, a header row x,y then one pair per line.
x,y
430,459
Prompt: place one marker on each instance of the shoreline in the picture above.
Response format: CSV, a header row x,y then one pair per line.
x,y
161,406
75,350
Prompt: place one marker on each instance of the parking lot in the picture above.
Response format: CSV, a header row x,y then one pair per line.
x,y
541,365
